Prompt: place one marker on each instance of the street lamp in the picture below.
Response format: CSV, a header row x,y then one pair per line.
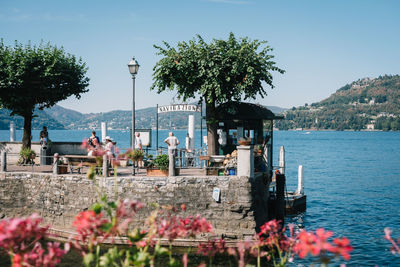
x,y
133,66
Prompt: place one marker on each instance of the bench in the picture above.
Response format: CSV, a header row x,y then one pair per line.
x,y
78,161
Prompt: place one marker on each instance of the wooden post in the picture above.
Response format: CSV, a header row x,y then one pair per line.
x,y
55,163
3,161
282,160
280,197
171,167
105,166
300,181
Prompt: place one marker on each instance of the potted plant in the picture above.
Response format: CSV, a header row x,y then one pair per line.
x,y
159,166
27,156
61,167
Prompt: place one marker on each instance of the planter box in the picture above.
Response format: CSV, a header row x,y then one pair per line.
x,y
158,172
62,169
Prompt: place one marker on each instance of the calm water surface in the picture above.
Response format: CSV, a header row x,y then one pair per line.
x,y
352,182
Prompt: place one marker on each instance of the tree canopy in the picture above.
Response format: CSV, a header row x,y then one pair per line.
x,y
218,72
38,76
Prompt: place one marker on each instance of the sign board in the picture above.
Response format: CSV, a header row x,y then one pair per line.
x,y
179,107
216,194
145,136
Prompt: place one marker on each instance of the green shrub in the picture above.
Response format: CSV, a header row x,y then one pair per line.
x,y
162,162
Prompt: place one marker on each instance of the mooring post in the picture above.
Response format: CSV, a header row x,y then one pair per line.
x,y
280,197
300,181
55,163
171,167
3,161
12,132
282,160
103,132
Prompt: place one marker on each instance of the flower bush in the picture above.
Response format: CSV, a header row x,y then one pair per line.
x,y
20,237
23,239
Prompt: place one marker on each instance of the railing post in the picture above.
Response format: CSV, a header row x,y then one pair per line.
x,y
3,161
55,163
105,166
171,167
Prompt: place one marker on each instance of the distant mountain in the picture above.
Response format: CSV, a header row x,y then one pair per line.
x,y
368,103
58,117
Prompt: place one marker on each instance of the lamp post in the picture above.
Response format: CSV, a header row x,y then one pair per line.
x,y
133,66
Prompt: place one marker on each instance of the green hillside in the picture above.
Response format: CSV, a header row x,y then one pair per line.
x,y
369,103
43,118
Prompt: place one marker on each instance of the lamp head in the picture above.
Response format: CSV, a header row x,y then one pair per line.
x,y
133,66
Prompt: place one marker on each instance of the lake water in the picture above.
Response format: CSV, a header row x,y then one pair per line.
x,y
352,182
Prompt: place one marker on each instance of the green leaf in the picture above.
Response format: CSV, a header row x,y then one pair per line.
x,y
88,258
112,205
96,207
106,227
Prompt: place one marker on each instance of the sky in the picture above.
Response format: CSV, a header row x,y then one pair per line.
x,y
322,45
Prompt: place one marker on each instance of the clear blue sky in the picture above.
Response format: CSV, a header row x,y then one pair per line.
x,y
321,44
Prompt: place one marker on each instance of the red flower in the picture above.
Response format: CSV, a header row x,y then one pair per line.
x,y
16,260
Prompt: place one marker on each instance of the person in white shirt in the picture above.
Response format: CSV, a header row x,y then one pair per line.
x,y
109,148
172,143
139,146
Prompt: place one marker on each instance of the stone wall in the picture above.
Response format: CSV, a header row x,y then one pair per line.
x,y
242,206
62,148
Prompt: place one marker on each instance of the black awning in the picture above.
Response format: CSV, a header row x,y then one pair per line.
x,y
244,111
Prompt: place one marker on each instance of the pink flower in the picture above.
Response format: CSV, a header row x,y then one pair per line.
x,y
395,248
212,247
17,234
38,258
342,247
89,225
306,243
322,240
270,227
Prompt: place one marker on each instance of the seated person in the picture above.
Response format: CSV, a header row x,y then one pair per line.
x,y
93,142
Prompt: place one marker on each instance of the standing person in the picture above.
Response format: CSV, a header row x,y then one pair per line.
x,y
139,146
172,143
109,148
44,136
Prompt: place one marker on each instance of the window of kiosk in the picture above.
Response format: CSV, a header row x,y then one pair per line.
x,y
233,136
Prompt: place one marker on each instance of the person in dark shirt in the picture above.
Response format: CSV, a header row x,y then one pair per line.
x,y
44,137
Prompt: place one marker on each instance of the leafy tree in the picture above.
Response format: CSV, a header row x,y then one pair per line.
x,y
39,76
219,71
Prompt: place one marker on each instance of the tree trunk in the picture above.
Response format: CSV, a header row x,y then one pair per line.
x,y
212,137
26,139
